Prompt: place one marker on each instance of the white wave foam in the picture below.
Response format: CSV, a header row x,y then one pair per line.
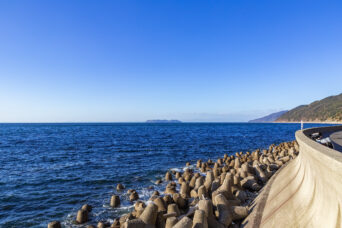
x,y
177,169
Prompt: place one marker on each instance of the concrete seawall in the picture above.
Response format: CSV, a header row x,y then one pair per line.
x,y
305,193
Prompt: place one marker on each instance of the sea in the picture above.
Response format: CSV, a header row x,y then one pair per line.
x,y
48,171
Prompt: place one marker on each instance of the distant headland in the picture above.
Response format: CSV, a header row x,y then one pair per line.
x,y
327,110
163,121
269,118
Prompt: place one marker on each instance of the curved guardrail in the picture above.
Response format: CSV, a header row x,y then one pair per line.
x,y
308,191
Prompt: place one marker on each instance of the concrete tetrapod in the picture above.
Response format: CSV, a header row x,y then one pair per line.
x,y
54,224
200,219
173,208
114,201
225,216
134,223
185,222
207,207
170,222
149,215
82,216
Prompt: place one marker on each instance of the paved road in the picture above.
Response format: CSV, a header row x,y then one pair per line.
x,y
336,139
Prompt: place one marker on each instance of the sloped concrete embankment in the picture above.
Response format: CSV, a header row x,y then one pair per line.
x,y
307,192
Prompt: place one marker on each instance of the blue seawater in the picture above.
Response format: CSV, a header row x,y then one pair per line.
x,y
48,171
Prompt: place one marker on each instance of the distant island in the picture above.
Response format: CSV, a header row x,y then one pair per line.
x,y
163,121
269,118
327,110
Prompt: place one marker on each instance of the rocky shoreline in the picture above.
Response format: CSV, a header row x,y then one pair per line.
x,y
214,194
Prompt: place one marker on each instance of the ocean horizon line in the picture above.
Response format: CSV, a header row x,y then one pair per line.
x,y
182,122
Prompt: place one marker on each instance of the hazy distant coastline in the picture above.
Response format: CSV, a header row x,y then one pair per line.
x,y
163,121
269,118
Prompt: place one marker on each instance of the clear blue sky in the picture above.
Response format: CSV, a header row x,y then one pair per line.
x,y
188,60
